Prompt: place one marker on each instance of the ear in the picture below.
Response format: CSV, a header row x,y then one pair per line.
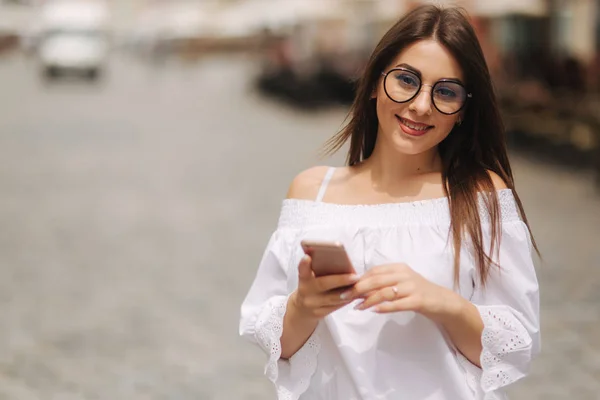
x,y
460,118
374,91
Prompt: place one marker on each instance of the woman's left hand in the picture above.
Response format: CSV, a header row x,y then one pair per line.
x,y
397,287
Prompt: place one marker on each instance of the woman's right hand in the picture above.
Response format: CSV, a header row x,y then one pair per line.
x,y
317,297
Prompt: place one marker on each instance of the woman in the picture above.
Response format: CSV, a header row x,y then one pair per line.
x,y
444,304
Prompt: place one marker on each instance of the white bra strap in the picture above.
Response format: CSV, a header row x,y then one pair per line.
x,y
324,184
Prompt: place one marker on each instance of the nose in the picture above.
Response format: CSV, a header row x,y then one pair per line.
x,y
422,103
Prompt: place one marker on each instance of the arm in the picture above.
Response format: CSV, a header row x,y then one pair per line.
x,y
461,319
457,316
262,322
463,324
297,328
496,331
509,308
276,320
314,299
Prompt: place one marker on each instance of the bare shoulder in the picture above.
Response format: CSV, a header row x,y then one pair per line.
x,y
305,186
497,181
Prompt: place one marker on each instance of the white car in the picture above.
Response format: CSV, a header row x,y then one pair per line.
x,y
74,38
73,50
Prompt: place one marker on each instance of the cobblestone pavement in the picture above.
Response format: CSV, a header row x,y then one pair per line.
x,y
134,214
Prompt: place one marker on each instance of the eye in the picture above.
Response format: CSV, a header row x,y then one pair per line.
x,y
445,92
406,79
449,91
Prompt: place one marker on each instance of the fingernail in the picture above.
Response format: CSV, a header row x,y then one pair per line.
x,y
354,277
359,306
345,295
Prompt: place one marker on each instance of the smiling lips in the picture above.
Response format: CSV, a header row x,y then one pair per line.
x,y
413,128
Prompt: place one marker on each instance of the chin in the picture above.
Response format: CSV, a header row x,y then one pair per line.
x,y
409,146
412,150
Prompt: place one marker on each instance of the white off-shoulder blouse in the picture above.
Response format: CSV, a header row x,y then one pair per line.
x,y
363,355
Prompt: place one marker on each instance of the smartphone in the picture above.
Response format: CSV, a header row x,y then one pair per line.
x,y
328,257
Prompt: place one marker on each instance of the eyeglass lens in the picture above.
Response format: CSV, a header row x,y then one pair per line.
x,y
448,97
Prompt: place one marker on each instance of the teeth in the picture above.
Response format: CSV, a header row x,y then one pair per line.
x,y
411,126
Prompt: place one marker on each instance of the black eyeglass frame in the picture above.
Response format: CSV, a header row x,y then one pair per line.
x,y
385,74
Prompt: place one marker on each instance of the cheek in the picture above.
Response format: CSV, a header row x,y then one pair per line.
x,y
381,104
381,110
384,104
386,110
443,127
445,124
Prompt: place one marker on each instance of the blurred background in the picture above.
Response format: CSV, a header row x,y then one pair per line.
x,y
145,148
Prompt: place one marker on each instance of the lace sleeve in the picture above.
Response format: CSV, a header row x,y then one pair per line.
x,y
509,309
291,377
262,323
507,348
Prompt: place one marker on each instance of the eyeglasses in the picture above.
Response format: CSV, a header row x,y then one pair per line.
x,y
447,95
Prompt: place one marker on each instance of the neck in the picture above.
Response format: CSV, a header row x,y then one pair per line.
x,y
389,168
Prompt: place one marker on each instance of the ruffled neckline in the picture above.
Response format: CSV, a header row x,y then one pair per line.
x,y
302,212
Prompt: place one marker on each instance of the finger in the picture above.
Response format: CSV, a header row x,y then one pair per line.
x,y
386,269
333,298
348,294
372,283
305,271
380,269
330,282
364,296
387,294
404,304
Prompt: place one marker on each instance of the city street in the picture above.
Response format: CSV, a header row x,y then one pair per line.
x,y
134,213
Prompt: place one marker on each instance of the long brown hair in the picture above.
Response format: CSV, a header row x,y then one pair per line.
x,y
470,150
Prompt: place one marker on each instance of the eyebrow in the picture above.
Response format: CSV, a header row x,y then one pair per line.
x,y
418,73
